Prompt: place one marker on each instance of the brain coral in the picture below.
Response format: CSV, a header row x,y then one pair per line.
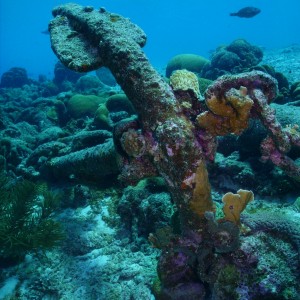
x,y
190,62
84,105
184,80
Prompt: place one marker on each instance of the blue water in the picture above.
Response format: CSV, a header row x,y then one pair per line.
x,y
172,27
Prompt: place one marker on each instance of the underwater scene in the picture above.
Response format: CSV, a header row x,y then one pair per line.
x,y
149,150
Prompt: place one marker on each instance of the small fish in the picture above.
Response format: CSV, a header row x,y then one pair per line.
x,y
246,12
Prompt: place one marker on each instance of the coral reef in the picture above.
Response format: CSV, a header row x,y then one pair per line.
x,y
15,77
144,163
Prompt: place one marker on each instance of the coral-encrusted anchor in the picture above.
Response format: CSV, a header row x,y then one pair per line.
x,y
177,144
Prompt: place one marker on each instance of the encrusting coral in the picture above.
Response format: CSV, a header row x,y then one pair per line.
x,y
228,114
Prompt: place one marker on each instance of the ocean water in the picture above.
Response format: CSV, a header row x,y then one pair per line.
x,y
172,27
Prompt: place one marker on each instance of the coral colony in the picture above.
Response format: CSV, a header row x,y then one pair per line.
x,y
175,137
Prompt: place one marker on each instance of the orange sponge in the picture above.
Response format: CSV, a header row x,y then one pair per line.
x,y
234,204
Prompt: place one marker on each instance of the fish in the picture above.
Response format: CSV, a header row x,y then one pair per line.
x,y
247,12
45,31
